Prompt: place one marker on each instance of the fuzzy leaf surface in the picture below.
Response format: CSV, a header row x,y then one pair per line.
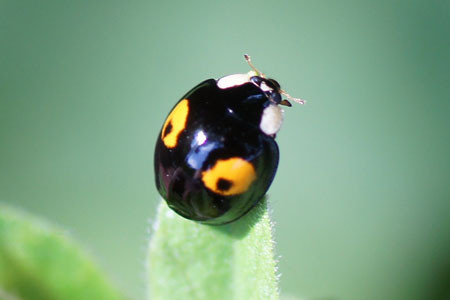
x,y
189,260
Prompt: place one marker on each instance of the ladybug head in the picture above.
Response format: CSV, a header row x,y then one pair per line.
x,y
270,86
272,115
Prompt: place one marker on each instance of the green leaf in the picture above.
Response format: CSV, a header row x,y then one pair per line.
x,y
189,260
37,261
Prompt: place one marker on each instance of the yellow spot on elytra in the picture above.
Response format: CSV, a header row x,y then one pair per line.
x,y
175,124
230,176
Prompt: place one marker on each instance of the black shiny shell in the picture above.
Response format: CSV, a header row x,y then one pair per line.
x,y
229,119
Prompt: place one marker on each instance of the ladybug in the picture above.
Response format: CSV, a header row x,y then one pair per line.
x,y
216,154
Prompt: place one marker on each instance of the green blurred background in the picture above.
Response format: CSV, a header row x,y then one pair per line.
x,y
361,200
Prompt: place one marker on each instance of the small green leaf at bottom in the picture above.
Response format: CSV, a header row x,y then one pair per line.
x,y
189,260
38,261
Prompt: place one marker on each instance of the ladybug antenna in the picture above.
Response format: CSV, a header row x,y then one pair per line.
x,y
249,61
289,97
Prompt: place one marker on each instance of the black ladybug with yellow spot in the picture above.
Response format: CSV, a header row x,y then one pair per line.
x,y
216,155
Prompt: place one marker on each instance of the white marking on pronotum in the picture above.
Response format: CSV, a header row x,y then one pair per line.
x,y
233,80
271,119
